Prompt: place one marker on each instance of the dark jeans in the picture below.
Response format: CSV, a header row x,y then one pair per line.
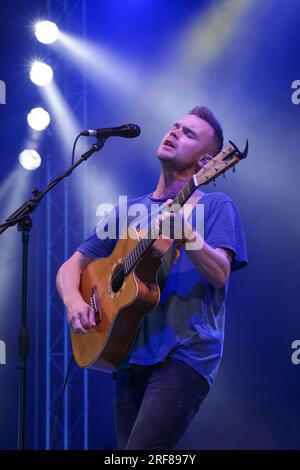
x,y
155,404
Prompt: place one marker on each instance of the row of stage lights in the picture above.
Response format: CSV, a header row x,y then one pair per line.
x,y
41,74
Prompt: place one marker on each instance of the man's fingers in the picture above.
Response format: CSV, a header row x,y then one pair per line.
x,y
79,320
166,204
77,326
91,315
81,317
159,223
84,319
170,225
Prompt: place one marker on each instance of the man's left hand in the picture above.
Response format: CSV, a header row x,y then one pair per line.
x,y
173,225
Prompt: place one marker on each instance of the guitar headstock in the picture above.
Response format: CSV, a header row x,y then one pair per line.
x,y
213,167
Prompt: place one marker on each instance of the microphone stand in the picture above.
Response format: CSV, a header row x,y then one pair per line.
x,y
21,218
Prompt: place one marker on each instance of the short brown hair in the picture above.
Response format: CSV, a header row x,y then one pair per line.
x,y
205,113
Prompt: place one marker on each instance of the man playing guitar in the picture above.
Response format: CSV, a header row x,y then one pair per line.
x,y
175,355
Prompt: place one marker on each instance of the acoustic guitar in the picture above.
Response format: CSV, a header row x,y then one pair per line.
x,y
122,287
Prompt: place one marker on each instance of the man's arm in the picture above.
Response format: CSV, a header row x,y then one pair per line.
x,y
212,263
80,314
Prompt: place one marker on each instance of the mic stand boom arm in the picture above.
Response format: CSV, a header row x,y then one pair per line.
x,y
28,207
21,217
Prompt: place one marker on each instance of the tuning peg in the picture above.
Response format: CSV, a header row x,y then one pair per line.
x,y
224,176
215,184
233,169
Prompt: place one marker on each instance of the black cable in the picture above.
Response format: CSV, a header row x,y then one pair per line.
x,y
60,401
74,146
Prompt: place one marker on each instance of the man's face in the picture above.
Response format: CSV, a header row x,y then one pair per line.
x,y
186,142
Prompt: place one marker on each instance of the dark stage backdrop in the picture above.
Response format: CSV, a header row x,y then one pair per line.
x,y
150,62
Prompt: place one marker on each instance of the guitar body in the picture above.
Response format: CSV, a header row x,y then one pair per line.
x,y
119,310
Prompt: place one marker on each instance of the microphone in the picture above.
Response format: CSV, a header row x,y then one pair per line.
x,y
127,130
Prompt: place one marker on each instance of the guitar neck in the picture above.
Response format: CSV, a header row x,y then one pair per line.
x,y
133,257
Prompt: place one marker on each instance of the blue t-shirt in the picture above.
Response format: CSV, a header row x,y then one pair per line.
x,y
188,323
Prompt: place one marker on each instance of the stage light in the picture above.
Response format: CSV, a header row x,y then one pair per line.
x,y
100,64
46,32
41,74
62,115
38,119
30,159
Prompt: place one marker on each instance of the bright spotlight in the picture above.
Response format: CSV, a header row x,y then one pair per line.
x,y
38,119
41,74
30,159
46,32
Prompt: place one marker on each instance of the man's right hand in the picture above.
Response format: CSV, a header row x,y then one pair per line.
x,y
81,317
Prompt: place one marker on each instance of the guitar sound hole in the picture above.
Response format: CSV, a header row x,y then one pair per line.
x,y
118,278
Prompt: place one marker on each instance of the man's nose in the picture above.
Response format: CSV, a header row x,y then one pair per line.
x,y
174,133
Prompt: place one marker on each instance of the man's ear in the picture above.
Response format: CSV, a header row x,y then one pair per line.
x,y
202,161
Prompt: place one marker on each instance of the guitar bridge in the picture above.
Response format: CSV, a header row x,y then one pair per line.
x,y
94,303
